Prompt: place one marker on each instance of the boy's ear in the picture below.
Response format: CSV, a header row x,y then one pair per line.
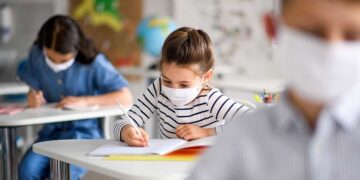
x,y
208,75
270,25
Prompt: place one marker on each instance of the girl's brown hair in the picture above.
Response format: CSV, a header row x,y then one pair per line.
x,y
188,46
64,35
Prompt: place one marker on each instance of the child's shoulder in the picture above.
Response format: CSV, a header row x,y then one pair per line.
x,y
155,87
36,52
208,91
102,62
100,59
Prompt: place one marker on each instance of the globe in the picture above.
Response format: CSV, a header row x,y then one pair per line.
x,y
152,32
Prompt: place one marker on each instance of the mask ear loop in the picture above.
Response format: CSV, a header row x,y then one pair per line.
x,y
206,86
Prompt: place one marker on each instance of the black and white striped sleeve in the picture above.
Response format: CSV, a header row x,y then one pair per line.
x,y
141,111
224,108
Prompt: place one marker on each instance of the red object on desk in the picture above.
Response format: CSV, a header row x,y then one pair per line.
x,y
10,110
192,151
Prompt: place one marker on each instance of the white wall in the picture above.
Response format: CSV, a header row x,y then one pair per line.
x,y
157,7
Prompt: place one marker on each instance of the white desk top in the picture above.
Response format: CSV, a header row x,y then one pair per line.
x,y
75,152
13,88
254,85
49,114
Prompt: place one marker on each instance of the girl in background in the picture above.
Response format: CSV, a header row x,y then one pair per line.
x,y
64,67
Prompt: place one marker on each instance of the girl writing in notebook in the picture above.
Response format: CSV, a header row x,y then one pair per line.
x,y
185,105
65,68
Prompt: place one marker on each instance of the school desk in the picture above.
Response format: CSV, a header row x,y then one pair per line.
x,y
65,152
251,85
42,115
13,88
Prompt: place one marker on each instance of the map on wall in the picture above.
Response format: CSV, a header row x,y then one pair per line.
x,y
111,24
236,31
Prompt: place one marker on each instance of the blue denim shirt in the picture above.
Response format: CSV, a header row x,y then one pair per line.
x,y
96,78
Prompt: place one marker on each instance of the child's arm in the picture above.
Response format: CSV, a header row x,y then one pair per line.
x,y
192,132
35,99
132,138
27,72
140,112
224,109
108,83
123,95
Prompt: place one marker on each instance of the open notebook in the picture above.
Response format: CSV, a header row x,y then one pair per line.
x,y
156,146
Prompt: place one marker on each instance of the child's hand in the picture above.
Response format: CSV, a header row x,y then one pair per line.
x,y
192,132
132,138
73,101
35,99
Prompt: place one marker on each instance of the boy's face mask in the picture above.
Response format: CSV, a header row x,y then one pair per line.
x,y
316,70
59,67
181,97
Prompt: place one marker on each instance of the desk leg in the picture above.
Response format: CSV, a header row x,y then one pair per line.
x,y
8,147
59,170
106,127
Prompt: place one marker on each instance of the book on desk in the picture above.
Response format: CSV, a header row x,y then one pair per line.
x,y
158,150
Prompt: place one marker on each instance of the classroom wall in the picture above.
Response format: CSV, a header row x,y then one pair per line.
x,y
28,16
161,7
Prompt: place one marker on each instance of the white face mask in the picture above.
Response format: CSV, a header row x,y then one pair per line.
x,y
58,67
181,97
318,71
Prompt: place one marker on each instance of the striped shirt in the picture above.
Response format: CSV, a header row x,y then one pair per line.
x,y
277,144
210,110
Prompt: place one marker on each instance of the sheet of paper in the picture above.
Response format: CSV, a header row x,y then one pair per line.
x,y
149,158
81,108
156,146
208,141
51,107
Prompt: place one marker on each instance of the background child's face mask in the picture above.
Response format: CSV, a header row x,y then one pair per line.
x,y
317,70
59,67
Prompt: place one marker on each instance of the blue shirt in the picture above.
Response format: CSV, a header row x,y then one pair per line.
x,y
277,143
96,78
